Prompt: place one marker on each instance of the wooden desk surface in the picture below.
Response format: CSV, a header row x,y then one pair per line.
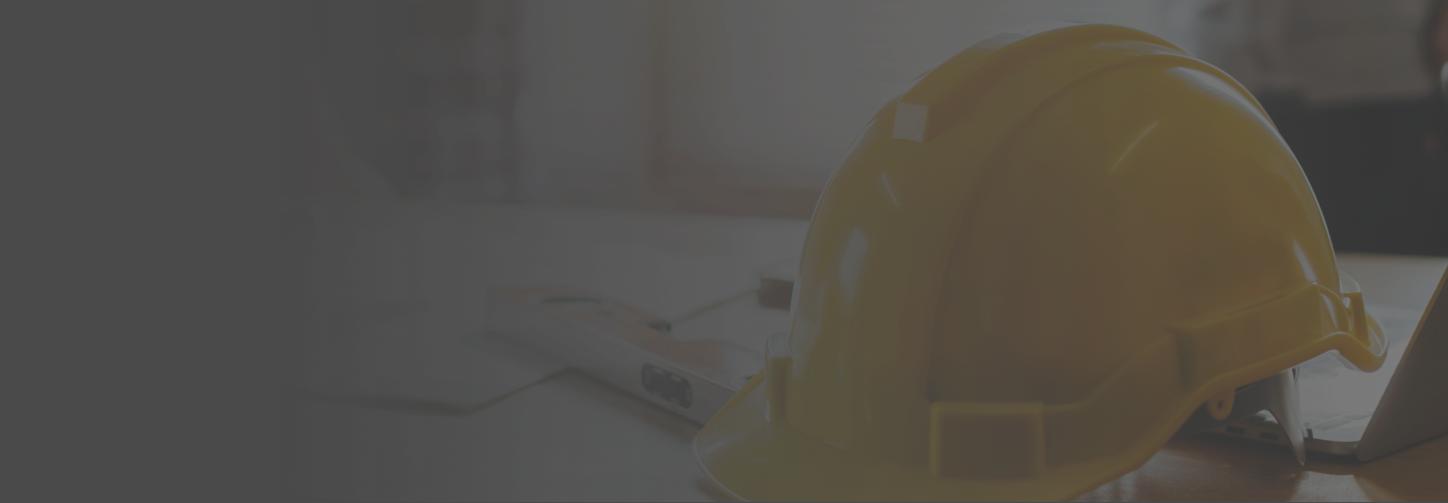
x,y
569,437
1206,467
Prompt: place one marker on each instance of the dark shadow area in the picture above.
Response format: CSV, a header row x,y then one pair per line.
x,y
1379,167
1379,170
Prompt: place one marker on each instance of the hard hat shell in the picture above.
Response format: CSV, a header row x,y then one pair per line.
x,y
1033,267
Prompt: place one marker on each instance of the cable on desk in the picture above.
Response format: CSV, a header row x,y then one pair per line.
x,y
701,310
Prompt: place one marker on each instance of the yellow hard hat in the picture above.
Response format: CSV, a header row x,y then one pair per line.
x,y
1036,264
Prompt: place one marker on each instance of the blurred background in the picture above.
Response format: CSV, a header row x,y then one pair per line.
x,y
667,154
744,108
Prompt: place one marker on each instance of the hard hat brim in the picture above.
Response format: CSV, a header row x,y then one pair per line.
x,y
750,458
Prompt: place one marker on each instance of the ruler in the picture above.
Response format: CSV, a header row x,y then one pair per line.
x,y
624,346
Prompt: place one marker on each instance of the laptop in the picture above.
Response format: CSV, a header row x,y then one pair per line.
x,y
1340,412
